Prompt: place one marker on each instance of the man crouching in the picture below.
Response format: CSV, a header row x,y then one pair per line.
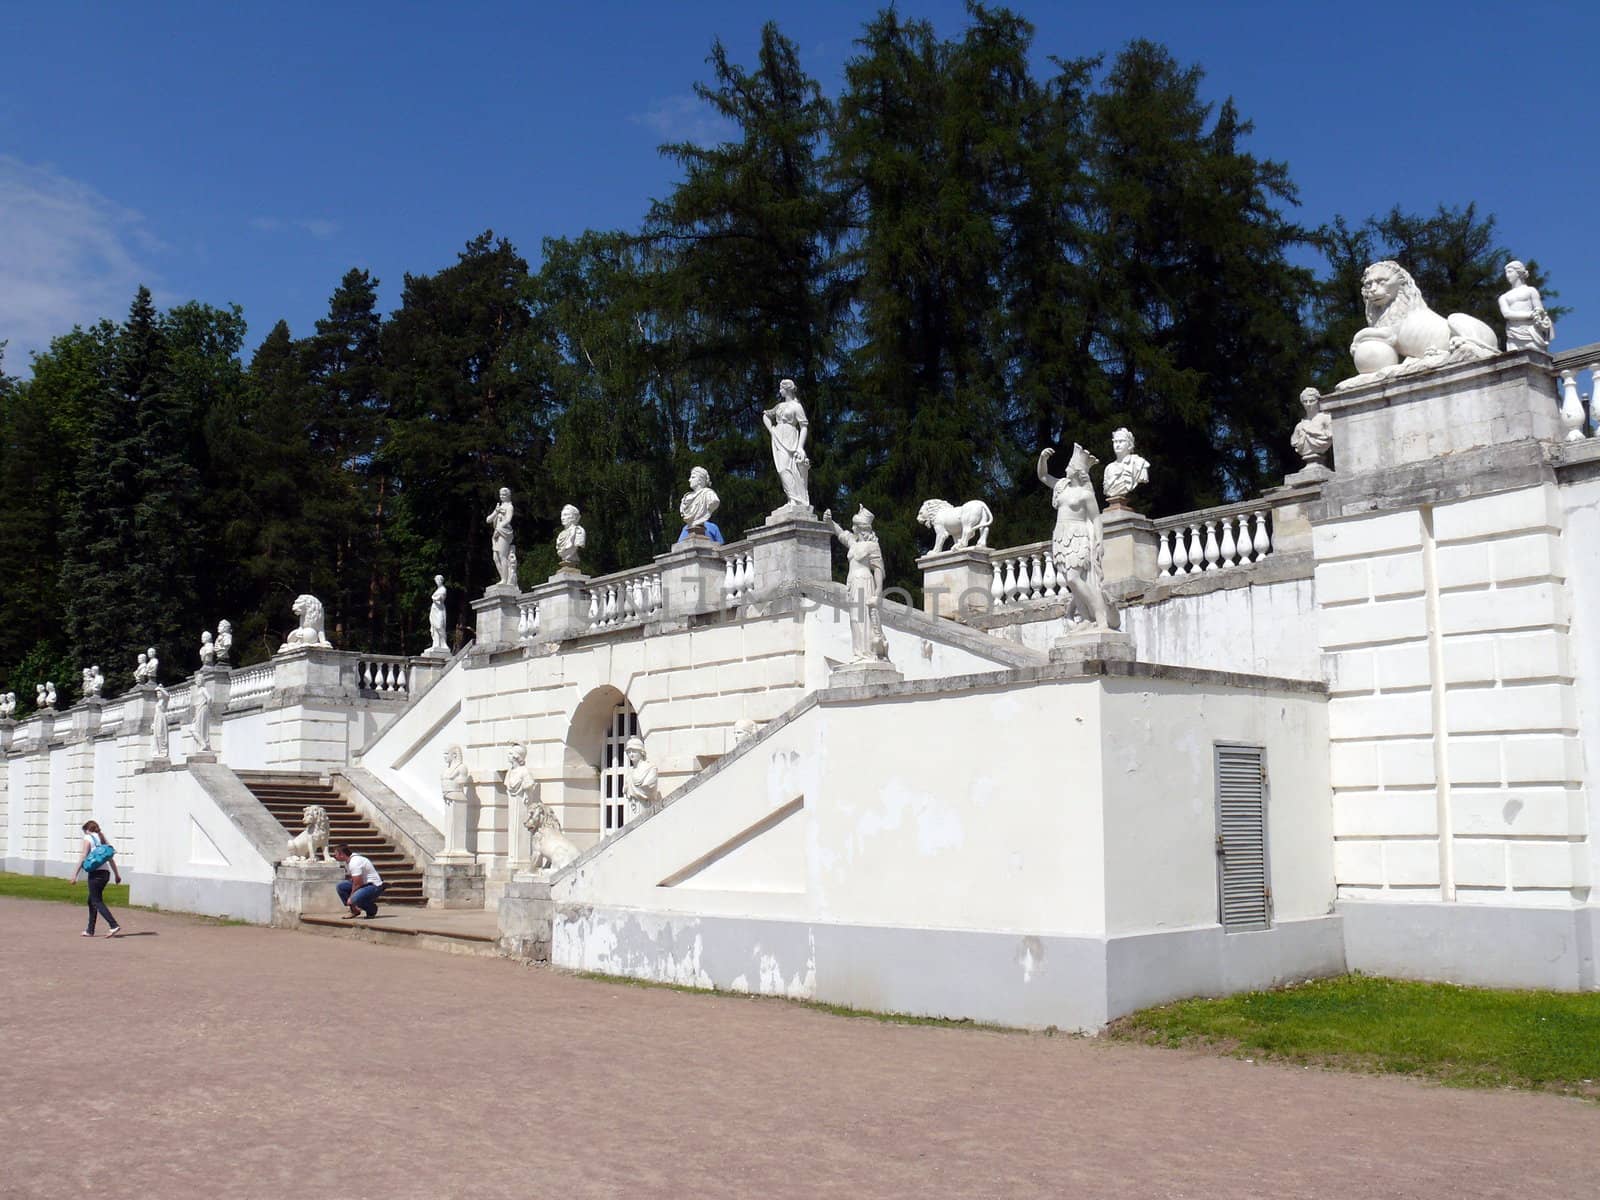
x,y
361,890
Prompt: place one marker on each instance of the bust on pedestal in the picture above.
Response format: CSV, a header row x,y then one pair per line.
x,y
1312,440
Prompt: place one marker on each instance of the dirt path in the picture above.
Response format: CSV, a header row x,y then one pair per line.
x,y
225,1061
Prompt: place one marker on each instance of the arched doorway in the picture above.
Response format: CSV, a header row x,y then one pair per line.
x,y
594,780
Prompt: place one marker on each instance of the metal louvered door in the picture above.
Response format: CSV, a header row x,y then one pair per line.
x,y
1243,892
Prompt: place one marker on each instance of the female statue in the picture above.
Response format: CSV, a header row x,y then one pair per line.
x,y
786,423
864,582
436,617
1528,326
1076,545
159,724
643,781
503,538
200,721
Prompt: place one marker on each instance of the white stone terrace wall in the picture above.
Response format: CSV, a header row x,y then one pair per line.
x,y
300,712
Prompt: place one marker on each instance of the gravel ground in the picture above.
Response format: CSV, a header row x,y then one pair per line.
x,y
226,1061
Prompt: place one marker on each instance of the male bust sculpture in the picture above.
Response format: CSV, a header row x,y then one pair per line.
x,y
1127,471
571,539
1312,438
208,650
698,505
224,642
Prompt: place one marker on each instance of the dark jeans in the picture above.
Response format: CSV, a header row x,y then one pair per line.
x,y
366,899
98,879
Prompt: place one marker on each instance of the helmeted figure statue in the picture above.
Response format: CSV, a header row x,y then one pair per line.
x,y
864,583
1076,546
643,792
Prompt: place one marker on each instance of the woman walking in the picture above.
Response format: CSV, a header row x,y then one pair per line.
x,y
98,855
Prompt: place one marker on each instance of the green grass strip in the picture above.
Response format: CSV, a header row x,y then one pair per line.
x,y
44,887
1460,1036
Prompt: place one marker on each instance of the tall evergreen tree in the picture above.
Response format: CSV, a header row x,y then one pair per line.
x,y
746,288
465,418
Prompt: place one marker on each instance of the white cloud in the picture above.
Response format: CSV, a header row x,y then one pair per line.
x,y
68,256
686,119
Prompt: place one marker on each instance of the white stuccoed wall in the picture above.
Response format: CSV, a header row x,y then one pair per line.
x,y
1455,756
1085,817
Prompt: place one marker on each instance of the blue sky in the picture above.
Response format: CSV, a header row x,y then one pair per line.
x,y
252,154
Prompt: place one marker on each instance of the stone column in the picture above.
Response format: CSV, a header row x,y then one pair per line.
x,y
526,916
1131,549
495,616
790,550
955,583
691,578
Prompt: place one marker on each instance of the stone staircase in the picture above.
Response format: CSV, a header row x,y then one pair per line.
x,y
285,794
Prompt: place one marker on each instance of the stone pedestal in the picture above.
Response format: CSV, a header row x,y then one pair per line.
x,y
302,672
435,653
8,733
692,574
864,674
1131,548
1092,645
305,888
1291,512
795,549
526,913
86,717
563,607
955,583
424,671
1414,418
791,512
495,616
201,756
1312,472
453,884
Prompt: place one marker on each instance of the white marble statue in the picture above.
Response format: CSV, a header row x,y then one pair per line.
x,y
502,541
314,835
1528,326
521,787
83,683
224,642
94,683
141,673
743,730
787,426
161,723
150,665
571,539
438,643
1126,471
38,696
453,782
1312,438
310,630
8,706
552,849
864,583
208,649
698,506
643,791
200,717
1404,336
1077,547
49,693
955,524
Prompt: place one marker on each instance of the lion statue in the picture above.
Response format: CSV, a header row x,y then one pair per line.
x,y
551,847
949,522
309,609
303,846
1404,336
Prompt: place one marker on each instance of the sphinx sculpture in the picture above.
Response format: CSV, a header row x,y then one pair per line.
x,y
1404,336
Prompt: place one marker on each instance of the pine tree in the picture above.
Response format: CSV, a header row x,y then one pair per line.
x,y
466,418
746,289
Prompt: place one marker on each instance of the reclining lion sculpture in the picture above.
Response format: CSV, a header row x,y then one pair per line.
x,y
1404,336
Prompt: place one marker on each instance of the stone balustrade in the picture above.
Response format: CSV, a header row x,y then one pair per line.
x,y
1023,575
739,573
527,619
384,675
1214,539
626,598
1574,420
250,685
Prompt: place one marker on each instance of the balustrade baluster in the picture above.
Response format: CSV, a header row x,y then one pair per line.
x,y
1195,553
1571,406
533,623
1164,554
1263,539
1213,550
1052,582
1230,548
1008,583
594,608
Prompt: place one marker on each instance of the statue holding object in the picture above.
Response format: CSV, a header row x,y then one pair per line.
x,y
1077,546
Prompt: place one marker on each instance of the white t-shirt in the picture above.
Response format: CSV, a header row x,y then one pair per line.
x,y
361,865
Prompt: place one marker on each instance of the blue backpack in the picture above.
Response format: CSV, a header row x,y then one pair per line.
x,y
99,856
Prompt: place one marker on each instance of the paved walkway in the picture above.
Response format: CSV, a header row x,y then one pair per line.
x,y
224,1061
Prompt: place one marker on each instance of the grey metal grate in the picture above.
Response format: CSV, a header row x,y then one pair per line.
x,y
1244,894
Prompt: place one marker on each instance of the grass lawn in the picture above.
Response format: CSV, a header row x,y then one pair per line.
x,y
1465,1037
40,887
